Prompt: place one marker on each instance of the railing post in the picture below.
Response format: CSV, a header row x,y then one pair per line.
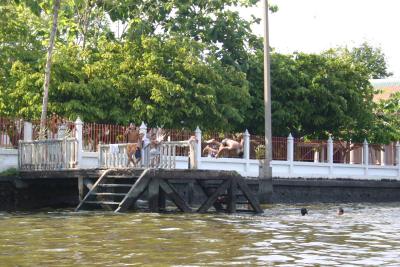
x,y
290,152
365,152
143,130
382,159
398,157
330,155
290,148
246,150
398,153
246,145
79,137
27,131
365,157
197,151
351,160
330,150
61,131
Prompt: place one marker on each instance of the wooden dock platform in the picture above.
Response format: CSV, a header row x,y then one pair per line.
x,y
123,189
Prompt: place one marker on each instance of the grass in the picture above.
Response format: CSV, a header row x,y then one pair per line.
x,y
9,172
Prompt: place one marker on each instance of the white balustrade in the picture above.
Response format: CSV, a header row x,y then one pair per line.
x,y
55,154
161,156
113,156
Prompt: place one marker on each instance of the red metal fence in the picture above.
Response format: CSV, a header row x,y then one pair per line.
x,y
179,135
94,134
11,131
52,127
257,147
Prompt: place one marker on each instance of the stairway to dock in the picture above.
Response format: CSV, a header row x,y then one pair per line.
x,y
120,190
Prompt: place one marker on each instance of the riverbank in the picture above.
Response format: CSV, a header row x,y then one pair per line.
x,y
18,194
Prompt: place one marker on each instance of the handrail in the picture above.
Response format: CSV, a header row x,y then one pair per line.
x,y
53,154
162,155
110,159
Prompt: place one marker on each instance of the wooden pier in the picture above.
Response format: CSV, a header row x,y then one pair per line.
x,y
151,181
124,189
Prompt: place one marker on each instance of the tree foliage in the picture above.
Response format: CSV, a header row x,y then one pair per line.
x,y
314,95
387,126
371,58
181,64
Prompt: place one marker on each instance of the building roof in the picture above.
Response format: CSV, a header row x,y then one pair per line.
x,y
386,88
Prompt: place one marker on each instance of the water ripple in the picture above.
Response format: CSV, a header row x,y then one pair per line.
x,y
366,235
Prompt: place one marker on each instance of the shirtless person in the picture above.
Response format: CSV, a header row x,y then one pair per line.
x,y
133,146
226,144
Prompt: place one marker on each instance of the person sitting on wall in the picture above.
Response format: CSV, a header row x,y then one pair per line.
x,y
225,145
211,150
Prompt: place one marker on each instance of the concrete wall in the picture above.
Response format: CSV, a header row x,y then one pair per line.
x,y
17,194
334,191
89,160
8,159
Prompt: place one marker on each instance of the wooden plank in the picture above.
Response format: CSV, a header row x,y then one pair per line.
x,y
109,194
74,173
115,185
102,202
221,189
96,172
94,188
194,174
108,189
161,200
81,188
249,195
218,206
232,196
153,197
174,196
190,192
135,192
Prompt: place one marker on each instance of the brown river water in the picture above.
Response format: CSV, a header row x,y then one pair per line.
x,y
366,235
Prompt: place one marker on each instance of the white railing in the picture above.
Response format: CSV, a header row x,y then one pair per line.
x,y
113,156
164,155
55,154
168,157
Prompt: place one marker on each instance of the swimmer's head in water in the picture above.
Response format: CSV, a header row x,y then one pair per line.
x,y
303,211
340,211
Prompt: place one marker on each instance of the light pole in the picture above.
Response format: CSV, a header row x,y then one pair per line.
x,y
265,179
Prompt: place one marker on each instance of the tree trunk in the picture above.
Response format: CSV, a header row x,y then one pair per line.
x,y
48,69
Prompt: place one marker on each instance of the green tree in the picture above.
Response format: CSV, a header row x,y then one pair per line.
x,y
161,81
21,57
227,35
387,125
372,58
313,95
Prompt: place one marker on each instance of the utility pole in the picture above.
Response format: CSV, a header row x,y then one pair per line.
x,y
265,177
